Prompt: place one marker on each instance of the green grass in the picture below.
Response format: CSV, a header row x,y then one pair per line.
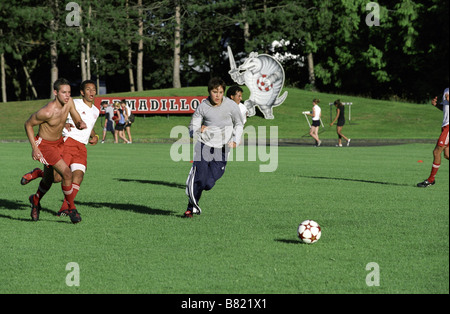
x,y
371,119
133,240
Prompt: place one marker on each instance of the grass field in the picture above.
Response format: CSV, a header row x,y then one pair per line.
x,y
133,240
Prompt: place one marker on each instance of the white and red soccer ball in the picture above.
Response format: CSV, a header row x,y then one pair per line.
x,y
264,84
309,231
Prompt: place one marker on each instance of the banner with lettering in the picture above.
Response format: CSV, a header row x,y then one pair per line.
x,y
155,105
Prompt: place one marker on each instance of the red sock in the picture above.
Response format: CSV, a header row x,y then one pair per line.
x,y
76,188
65,204
68,196
434,170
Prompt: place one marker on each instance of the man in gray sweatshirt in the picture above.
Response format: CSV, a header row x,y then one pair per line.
x,y
216,126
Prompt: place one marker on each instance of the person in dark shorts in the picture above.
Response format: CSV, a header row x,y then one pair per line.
x,y
109,123
315,113
340,117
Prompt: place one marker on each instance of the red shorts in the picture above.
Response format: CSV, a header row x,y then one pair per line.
x,y
443,139
52,151
75,154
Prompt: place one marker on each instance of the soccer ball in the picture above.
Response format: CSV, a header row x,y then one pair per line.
x,y
262,84
309,231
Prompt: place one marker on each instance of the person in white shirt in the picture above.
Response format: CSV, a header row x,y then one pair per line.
x,y
316,113
127,109
235,93
442,143
75,141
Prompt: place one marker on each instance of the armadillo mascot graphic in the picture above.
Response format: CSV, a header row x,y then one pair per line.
x,y
264,77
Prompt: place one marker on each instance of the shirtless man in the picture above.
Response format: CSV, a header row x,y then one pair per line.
x,y
75,141
47,145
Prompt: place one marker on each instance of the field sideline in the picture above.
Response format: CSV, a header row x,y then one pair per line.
x,y
371,119
133,240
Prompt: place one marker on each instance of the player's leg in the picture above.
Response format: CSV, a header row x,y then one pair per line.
x,y
434,168
341,135
68,190
197,179
77,178
122,136
437,153
441,146
104,135
44,187
75,155
338,131
116,136
128,129
314,133
32,175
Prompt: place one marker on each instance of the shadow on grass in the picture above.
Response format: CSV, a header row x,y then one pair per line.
x,y
288,241
164,183
20,205
356,180
140,209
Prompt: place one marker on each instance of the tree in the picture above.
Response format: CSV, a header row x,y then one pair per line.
x,y
177,46
53,41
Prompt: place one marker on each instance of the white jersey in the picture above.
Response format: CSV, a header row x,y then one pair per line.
x,y
89,115
317,111
244,112
445,108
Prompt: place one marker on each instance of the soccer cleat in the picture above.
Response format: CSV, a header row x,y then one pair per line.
x,y
74,216
425,184
190,212
196,210
63,213
35,209
30,176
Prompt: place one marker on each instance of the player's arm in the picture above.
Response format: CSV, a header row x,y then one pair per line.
x,y
35,119
238,125
79,123
93,138
435,103
195,127
338,112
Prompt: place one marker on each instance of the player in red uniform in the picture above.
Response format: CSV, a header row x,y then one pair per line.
x,y
47,146
75,141
442,144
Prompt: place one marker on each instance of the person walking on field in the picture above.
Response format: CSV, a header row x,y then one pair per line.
x,y
442,143
109,122
340,117
120,124
316,114
48,145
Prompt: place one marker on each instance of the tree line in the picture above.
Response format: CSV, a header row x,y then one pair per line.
x,y
386,49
